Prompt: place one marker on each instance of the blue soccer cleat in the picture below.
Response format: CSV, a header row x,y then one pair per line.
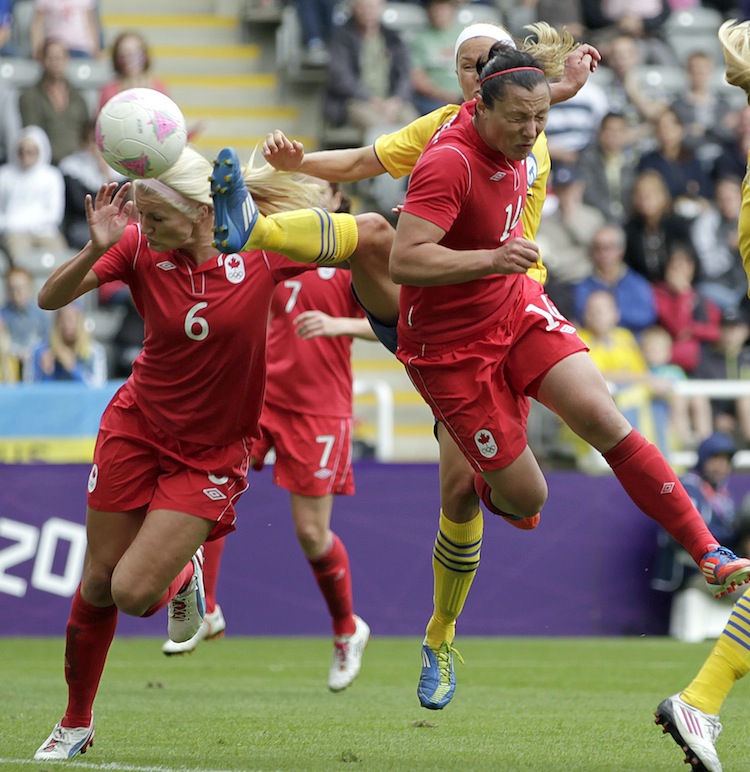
x,y
235,212
723,571
437,682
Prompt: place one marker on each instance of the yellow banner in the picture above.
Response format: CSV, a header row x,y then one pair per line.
x,y
52,450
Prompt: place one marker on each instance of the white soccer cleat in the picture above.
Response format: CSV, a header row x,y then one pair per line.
x,y
212,627
64,742
347,656
693,730
188,607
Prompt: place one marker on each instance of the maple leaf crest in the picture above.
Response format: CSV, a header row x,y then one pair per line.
x,y
483,438
233,261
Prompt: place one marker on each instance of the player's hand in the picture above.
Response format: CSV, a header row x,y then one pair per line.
x,y
316,324
108,214
515,256
579,64
282,153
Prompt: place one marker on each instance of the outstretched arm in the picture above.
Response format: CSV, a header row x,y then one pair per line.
x,y
345,165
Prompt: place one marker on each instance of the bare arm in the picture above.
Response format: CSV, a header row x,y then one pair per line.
x,y
418,259
345,165
107,217
316,324
578,66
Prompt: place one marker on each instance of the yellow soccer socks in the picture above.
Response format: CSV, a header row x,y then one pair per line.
x,y
306,235
728,661
455,559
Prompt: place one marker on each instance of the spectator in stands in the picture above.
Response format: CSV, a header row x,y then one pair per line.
x,y
316,21
84,172
623,57
572,125
9,365
633,293
75,23
729,359
369,79
690,319
704,112
653,226
433,73
714,234
70,353
564,236
733,159
32,198
557,13
131,63
54,103
677,163
643,20
706,485
679,422
6,28
607,168
615,351
25,322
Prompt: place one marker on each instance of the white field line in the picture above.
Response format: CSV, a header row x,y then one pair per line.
x,y
111,766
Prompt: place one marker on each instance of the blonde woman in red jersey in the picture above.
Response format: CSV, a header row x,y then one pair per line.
x,y
173,445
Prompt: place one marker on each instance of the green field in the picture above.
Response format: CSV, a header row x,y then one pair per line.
x,y
262,704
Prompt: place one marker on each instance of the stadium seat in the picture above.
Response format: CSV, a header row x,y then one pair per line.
x,y
19,73
693,20
405,18
475,13
658,81
683,45
89,73
41,262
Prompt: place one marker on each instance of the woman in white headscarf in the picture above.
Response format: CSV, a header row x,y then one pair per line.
x,y
32,198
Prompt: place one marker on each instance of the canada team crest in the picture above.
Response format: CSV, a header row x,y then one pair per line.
x,y
486,443
234,267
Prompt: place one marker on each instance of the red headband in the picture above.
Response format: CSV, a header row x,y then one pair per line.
x,y
505,72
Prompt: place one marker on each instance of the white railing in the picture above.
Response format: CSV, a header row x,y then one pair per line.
x,y
730,389
384,421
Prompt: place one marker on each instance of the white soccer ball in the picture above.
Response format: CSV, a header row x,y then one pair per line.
x,y
141,132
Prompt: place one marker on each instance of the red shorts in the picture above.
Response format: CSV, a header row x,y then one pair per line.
x,y
313,453
136,464
479,389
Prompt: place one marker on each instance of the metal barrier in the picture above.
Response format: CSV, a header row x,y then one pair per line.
x,y
383,394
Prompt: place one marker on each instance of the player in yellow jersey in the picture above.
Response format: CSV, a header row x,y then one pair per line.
x,y
457,547
691,716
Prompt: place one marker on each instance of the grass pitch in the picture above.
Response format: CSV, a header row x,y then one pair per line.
x,y
260,704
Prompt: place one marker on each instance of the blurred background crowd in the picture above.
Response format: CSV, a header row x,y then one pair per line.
x,y
639,231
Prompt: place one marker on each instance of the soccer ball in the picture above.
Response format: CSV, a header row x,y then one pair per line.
x,y
140,132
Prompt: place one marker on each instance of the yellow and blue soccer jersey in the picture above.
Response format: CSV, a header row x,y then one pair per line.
x,y
744,223
400,151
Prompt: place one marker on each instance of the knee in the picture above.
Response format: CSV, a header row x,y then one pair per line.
x,y
131,598
458,497
375,238
96,585
314,539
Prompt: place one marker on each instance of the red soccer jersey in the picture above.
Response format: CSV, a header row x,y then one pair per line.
x,y
476,195
201,373
311,376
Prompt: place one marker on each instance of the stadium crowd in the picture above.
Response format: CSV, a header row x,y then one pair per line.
x,y
643,199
